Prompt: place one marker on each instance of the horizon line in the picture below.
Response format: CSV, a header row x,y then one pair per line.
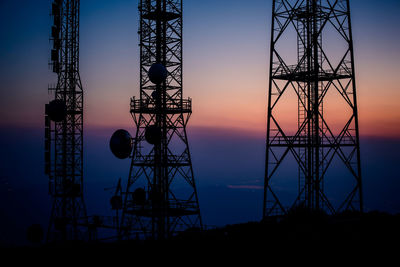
x,y
235,130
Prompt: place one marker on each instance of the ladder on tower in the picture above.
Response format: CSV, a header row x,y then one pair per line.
x,y
302,102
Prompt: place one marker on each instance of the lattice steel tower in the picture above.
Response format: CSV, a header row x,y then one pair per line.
x,y
161,198
313,73
64,127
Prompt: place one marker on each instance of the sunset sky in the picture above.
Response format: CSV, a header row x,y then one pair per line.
x,y
226,57
226,46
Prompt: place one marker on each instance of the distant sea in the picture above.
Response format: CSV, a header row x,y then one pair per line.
x,y
228,166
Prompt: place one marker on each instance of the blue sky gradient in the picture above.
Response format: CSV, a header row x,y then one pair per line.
x,y
226,46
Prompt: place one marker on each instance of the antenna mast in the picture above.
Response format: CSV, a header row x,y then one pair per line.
x,y
64,128
313,75
161,198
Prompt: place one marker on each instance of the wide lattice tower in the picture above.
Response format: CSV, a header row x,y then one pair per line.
x,y
312,75
160,199
64,127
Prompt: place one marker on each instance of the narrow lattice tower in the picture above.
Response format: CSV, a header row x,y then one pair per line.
x,y
161,198
324,137
64,127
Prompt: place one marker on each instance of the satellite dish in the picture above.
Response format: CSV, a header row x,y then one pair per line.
x,y
157,73
153,134
57,110
139,196
121,144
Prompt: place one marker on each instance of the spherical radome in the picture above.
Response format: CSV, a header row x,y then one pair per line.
x,y
121,144
157,73
57,110
153,134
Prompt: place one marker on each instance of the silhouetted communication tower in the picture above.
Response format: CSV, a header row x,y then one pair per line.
x,y
322,66
64,127
161,198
